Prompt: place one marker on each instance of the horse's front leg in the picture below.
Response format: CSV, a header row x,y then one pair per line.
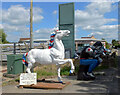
x,y
72,66
60,61
68,61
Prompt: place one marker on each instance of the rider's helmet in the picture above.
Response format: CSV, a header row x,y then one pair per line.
x,y
98,43
99,47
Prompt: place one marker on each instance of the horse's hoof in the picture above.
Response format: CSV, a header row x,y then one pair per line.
x,y
72,74
43,79
61,82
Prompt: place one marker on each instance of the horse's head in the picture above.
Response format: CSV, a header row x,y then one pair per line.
x,y
62,33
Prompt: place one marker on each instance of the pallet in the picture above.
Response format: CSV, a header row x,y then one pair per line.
x,y
46,84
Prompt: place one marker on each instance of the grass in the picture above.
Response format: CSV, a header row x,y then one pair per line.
x,y
44,73
13,81
99,68
65,70
116,62
51,70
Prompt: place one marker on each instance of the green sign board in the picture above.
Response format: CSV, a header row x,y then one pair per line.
x,y
66,22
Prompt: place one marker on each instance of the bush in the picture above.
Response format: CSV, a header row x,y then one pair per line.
x,y
65,70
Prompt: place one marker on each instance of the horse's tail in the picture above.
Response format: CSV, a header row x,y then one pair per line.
x,y
24,59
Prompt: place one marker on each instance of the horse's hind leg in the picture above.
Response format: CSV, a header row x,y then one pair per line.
x,y
31,61
58,72
29,68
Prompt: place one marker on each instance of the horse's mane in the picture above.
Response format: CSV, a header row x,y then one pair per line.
x,y
51,41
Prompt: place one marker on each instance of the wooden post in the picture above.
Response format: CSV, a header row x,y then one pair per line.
x,y
14,52
27,47
31,25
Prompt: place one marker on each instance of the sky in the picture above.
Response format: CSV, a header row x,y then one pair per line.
x,y
99,19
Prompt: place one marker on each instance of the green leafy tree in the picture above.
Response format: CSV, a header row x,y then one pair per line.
x,y
3,37
115,43
103,38
107,45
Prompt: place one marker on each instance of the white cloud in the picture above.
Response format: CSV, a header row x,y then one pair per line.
x,y
1,26
16,19
43,33
105,27
17,15
12,28
99,7
108,32
37,17
92,19
55,12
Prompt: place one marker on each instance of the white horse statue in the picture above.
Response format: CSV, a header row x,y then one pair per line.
x,y
55,55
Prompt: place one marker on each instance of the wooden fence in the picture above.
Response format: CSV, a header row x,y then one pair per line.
x,y
17,48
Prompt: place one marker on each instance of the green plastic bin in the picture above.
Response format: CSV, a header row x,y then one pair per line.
x,y
14,64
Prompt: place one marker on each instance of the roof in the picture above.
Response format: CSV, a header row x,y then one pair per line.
x,y
41,39
92,37
28,39
89,40
24,39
